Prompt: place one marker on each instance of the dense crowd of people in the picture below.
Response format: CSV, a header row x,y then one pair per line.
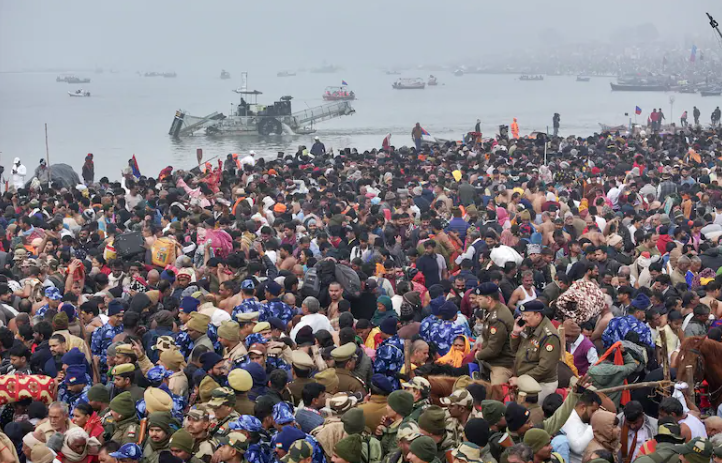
x,y
496,301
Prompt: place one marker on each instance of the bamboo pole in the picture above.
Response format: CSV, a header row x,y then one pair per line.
x,y
563,342
628,387
47,155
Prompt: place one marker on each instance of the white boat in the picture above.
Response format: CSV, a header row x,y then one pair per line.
x,y
79,94
459,72
409,84
285,74
432,81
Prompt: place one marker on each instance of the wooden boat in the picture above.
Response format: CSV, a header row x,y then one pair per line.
x,y
711,92
638,87
583,79
531,78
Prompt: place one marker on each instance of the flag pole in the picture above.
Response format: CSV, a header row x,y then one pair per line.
x,y
47,155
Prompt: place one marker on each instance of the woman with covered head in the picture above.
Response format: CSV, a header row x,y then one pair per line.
x,y
605,426
78,447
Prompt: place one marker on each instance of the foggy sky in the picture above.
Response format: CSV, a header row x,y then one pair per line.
x,y
141,35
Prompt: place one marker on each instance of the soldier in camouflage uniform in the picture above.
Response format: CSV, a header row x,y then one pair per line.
x,y
536,345
406,434
222,402
432,423
389,353
197,425
420,388
249,304
493,345
181,445
124,426
400,404
459,405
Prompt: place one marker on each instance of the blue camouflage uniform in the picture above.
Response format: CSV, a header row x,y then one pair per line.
x,y
246,306
212,334
440,332
185,343
258,452
72,399
276,308
255,338
99,342
389,359
619,327
318,455
40,313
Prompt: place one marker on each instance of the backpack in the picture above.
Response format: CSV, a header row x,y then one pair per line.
x,y
163,252
129,244
349,280
311,283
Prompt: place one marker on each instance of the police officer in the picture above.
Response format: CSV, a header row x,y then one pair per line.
x,y
440,327
241,382
536,344
124,426
390,352
275,307
124,381
528,390
345,361
259,448
77,387
102,338
498,322
222,401
301,366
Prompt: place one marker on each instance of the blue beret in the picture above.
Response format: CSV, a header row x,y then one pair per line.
x,y
189,304
388,326
73,357
287,436
436,304
641,302
277,323
382,382
448,311
209,360
486,289
283,413
115,307
75,374
131,451
273,288
532,306
70,311
167,276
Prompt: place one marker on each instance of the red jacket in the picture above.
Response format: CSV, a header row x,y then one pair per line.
x,y
94,426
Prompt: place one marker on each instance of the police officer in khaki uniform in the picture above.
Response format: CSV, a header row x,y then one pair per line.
x,y
535,342
125,427
241,382
301,364
222,402
495,348
528,390
345,360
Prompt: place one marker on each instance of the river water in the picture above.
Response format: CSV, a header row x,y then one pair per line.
x,y
129,114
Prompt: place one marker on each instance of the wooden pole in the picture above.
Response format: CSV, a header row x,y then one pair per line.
x,y
628,387
689,377
47,155
665,356
563,342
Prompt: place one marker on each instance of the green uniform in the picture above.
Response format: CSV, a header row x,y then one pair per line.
x,y
496,350
150,455
126,431
444,448
537,354
222,425
418,409
244,405
348,382
296,388
389,438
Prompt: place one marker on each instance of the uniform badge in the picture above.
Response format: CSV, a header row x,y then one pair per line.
x,y
492,330
535,342
549,347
